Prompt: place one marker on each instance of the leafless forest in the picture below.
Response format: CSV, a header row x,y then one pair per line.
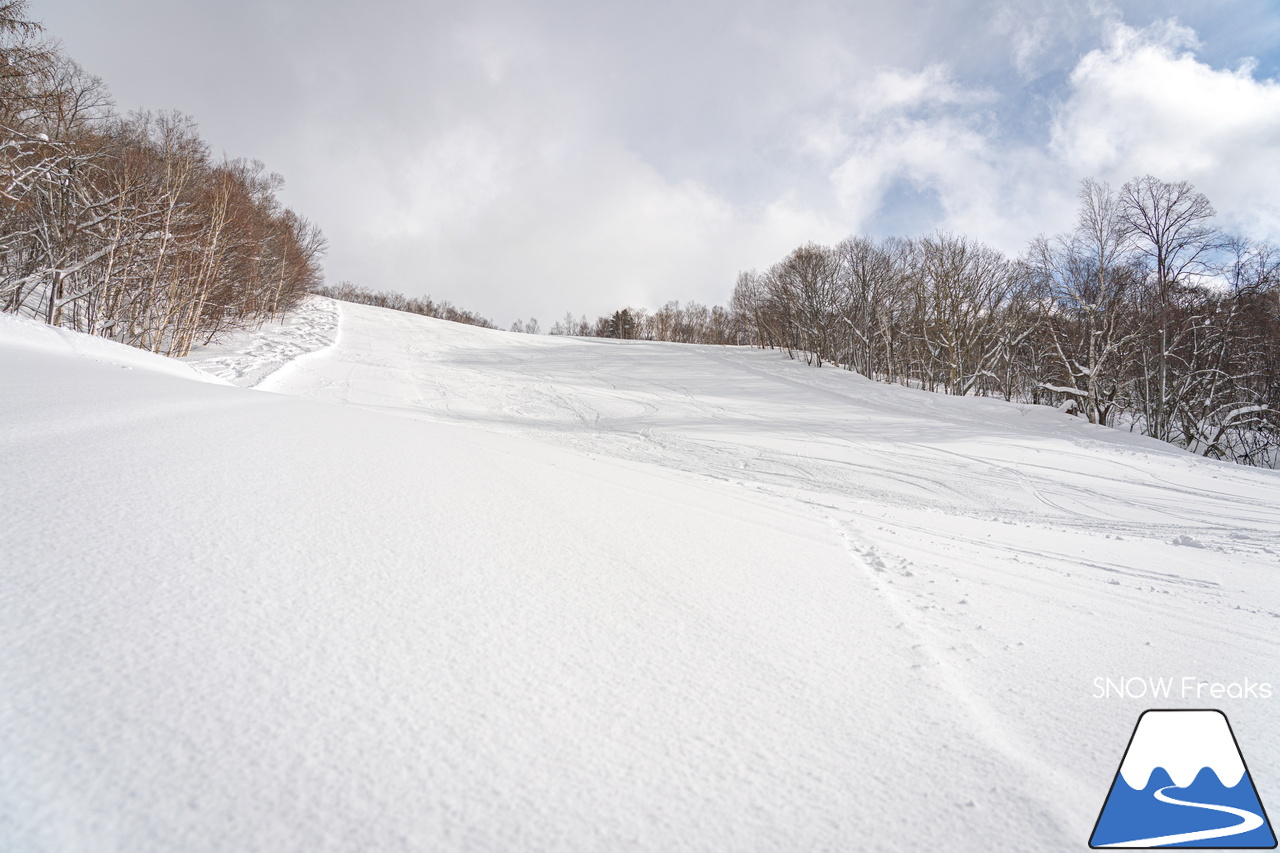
x,y
349,291
126,226
1145,317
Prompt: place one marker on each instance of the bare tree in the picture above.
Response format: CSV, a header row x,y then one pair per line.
x,y
962,287
1169,225
803,292
872,281
1087,278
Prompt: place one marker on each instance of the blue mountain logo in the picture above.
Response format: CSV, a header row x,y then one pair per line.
x,y
1183,783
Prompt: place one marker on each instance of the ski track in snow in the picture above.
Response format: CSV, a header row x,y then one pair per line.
x,y
248,357
996,559
955,509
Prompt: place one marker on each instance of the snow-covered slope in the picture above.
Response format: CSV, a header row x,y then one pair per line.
x,y
451,588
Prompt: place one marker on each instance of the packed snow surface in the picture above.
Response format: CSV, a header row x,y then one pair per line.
x,y
433,587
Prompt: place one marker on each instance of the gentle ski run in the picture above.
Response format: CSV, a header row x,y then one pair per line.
x,y
434,587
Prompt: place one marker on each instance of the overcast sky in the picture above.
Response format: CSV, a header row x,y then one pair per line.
x,y
524,159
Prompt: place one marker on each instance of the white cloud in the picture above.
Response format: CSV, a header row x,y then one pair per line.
x,y
927,130
531,158
586,233
541,211
1039,34
1144,103
892,90
1141,103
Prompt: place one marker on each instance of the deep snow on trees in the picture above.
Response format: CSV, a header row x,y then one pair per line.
x,y
125,226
